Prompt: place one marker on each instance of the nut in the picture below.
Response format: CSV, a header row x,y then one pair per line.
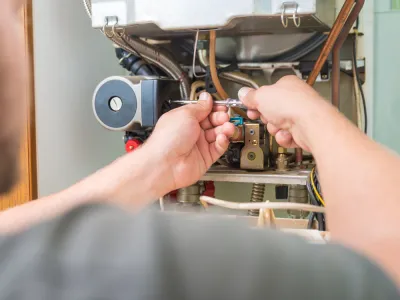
x,y
251,156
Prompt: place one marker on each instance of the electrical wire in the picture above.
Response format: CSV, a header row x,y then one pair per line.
x,y
314,186
263,205
194,56
360,85
313,189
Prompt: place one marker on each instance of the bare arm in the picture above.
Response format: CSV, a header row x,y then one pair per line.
x,y
129,181
186,142
359,177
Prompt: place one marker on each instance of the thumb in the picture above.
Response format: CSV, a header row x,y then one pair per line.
x,y
248,97
202,109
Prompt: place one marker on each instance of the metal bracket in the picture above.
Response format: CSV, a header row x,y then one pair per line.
x,y
252,156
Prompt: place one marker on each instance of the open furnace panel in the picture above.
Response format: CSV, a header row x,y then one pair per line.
x,y
176,49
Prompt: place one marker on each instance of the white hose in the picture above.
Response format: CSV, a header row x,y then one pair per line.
x,y
263,205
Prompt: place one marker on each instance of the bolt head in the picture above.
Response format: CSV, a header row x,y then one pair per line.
x,y
115,104
251,156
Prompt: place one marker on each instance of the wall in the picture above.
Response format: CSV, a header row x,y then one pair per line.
x,y
70,59
386,101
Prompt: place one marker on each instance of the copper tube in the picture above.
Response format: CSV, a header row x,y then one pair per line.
x,y
299,155
326,50
213,65
330,42
214,73
336,51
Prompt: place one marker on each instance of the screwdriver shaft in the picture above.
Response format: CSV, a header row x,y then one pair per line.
x,y
227,103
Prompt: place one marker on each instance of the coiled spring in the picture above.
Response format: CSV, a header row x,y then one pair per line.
x,y
257,195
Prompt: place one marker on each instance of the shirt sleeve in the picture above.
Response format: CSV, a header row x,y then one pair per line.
x,y
100,252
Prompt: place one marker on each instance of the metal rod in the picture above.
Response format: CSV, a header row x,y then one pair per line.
x,y
227,103
336,51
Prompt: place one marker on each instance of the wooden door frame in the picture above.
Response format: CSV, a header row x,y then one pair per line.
x,y
31,124
26,189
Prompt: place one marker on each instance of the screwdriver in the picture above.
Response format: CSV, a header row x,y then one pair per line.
x,y
228,103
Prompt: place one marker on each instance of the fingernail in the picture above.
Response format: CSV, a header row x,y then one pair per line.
x,y
203,96
285,133
243,92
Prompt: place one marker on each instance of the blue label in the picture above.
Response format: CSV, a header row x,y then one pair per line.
x,y
237,121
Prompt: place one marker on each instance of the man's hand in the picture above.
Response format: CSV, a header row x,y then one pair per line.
x,y
285,107
190,139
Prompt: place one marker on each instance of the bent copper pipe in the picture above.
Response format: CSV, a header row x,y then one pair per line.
x,y
337,28
336,51
330,42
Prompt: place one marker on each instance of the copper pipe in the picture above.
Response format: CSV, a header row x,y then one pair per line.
x,y
330,42
336,51
214,73
326,50
213,66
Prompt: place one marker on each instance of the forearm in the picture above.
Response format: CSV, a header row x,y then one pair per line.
x,y
360,183
132,181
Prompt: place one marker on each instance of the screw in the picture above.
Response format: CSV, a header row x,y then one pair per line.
x,y
251,156
252,131
115,104
254,142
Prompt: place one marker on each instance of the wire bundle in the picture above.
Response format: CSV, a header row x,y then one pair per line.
x,y
314,190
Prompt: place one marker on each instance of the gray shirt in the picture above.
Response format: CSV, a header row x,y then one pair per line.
x,y
100,252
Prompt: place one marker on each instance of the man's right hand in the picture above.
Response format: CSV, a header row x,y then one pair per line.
x,y
286,107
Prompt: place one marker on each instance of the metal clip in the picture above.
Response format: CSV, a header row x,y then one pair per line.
x,y
113,22
295,16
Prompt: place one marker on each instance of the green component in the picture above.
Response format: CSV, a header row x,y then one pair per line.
x,y
396,4
237,121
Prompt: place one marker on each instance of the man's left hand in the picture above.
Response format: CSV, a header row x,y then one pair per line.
x,y
190,139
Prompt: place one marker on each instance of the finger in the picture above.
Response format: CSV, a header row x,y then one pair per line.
x,y
219,147
248,97
218,118
227,129
253,114
285,139
264,120
220,108
215,119
272,129
202,108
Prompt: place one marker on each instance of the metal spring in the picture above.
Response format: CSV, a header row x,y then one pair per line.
x,y
257,195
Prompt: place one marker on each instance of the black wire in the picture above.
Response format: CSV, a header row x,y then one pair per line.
x,y
357,23
319,216
360,84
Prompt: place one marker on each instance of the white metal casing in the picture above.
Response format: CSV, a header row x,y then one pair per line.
x,y
152,17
